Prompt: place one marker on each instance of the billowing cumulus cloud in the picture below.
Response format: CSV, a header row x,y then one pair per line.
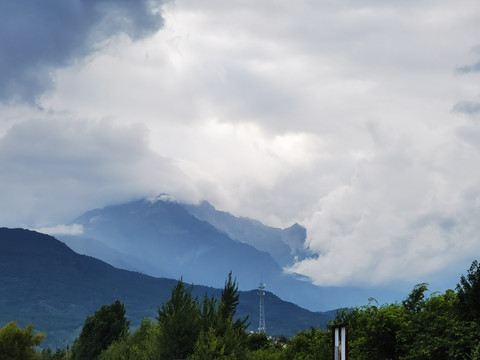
x,y
405,208
351,118
36,37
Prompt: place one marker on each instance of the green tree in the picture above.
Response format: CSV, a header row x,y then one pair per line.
x,y
107,325
233,331
415,302
16,343
475,353
209,315
229,303
257,341
268,354
312,344
141,345
422,327
468,294
59,354
424,333
210,346
179,320
230,299
372,330
434,331
223,335
207,330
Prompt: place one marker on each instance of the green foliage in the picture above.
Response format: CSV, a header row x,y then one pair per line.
x,y
60,354
257,341
425,332
372,330
440,326
312,344
262,347
211,346
208,314
436,332
16,343
232,332
415,301
476,353
222,337
268,354
468,294
203,331
107,325
143,344
179,320
423,327
229,300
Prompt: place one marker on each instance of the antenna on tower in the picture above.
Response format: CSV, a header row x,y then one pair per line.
x,y
261,320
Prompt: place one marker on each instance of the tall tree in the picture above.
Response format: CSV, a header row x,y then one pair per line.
x,y
230,298
107,325
209,317
222,336
232,331
229,302
179,320
16,343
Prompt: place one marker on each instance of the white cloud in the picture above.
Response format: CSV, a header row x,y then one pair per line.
x,y
337,115
54,169
74,229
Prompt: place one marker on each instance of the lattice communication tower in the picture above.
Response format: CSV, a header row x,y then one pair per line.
x,y
261,318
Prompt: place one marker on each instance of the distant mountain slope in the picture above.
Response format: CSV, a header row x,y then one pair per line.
x,y
165,235
44,282
99,250
166,238
285,245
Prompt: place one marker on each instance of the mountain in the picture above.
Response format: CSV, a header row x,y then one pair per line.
x,y
285,245
97,249
169,240
44,282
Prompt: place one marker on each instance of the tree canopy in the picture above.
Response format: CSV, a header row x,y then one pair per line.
x,y
468,294
16,343
107,325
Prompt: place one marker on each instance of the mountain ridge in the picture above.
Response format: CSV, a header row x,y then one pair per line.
x,y
286,246
165,234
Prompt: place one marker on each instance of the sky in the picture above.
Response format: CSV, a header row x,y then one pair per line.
x,y
359,120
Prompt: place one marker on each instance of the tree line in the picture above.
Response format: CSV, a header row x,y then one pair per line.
x,y
437,326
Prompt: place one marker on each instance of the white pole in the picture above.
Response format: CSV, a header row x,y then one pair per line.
x,y
344,343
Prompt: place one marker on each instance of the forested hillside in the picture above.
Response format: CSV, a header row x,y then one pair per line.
x,y
440,326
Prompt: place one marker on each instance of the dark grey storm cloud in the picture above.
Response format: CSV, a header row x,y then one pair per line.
x,y
39,36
